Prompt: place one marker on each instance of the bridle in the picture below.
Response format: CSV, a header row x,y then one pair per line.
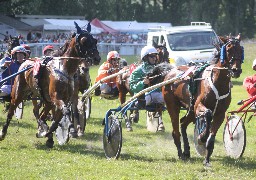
x,y
82,50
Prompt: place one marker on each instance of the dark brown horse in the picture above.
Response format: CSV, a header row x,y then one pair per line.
x,y
206,95
55,84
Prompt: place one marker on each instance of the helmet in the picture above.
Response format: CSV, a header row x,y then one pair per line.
x,y
27,47
18,49
113,54
254,63
147,50
48,47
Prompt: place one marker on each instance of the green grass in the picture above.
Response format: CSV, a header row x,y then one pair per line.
x,y
144,155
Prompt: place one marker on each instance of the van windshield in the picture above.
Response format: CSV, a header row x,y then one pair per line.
x,y
192,41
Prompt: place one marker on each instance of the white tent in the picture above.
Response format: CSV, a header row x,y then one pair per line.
x,y
133,26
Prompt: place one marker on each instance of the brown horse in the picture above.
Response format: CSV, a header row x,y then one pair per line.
x,y
54,85
206,95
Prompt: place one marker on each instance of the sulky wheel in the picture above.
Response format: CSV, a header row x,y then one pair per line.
x,y
112,140
62,132
234,137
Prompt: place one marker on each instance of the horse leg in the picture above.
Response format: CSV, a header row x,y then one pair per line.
x,y
184,124
42,125
203,115
174,110
73,132
13,105
35,109
217,121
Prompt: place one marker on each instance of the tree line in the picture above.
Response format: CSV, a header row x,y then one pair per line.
x,y
225,16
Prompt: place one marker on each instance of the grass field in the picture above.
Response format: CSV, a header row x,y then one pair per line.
x,y
144,155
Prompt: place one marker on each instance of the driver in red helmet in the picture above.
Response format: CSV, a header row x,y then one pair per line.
x,y
48,50
111,66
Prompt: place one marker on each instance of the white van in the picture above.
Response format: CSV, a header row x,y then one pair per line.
x,y
186,43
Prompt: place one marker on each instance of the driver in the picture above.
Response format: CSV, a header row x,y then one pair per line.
x,y
111,66
139,81
48,50
250,82
19,54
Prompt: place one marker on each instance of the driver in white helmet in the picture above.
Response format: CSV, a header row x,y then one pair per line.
x,y
139,80
19,55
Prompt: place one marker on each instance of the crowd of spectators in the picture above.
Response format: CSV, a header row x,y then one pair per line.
x,y
37,37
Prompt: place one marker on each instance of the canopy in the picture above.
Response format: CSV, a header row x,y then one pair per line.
x,y
96,22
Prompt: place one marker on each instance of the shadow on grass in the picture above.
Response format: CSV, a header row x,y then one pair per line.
x,y
239,83
72,148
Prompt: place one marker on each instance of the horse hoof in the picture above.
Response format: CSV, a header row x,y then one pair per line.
x,y
207,163
49,143
129,129
161,127
73,133
80,134
186,155
2,136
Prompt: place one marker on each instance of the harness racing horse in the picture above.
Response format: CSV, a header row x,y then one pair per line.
x,y
206,96
54,85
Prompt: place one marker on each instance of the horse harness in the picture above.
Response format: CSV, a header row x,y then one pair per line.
x,y
193,85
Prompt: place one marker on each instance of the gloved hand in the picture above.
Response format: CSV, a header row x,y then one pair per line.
x,y
110,70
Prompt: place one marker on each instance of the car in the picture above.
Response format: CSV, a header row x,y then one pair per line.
x,y
185,44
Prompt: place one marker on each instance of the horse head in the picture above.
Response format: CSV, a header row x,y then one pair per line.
x,y
163,54
12,43
86,44
232,55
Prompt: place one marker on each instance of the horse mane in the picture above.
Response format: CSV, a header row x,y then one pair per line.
x,y
62,49
159,72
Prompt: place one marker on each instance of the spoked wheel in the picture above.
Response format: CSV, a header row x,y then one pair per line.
x,y
19,111
200,148
152,121
62,132
234,137
112,139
